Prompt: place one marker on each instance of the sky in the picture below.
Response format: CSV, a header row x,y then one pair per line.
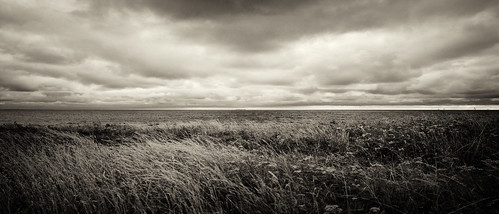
x,y
163,54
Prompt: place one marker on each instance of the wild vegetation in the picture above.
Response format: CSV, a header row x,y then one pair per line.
x,y
373,163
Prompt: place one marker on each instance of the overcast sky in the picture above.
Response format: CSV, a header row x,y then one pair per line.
x,y
247,53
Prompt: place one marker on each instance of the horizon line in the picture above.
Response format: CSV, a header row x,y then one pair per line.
x,y
344,108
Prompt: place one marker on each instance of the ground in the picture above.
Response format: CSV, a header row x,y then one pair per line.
x,y
255,162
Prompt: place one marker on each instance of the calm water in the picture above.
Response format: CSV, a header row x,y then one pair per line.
x,y
80,117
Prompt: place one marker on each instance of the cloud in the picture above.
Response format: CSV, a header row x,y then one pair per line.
x,y
12,82
37,49
199,9
238,53
474,78
463,38
249,25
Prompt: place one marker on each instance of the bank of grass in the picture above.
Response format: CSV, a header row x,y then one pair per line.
x,y
421,165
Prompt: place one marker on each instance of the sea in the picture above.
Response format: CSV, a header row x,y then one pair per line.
x,y
84,117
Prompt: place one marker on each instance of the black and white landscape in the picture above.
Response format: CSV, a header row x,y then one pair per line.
x,y
249,106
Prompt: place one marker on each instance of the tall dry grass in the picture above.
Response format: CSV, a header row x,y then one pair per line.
x,y
416,165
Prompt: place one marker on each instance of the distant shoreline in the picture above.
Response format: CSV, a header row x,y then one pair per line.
x,y
488,108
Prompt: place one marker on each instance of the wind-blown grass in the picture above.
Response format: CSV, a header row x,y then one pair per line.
x,y
417,165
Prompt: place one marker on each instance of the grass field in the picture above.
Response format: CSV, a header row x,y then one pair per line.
x,y
436,162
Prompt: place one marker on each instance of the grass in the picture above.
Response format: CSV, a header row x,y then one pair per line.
x,y
437,163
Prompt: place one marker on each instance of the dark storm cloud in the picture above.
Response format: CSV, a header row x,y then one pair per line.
x,y
27,77
201,9
256,25
47,98
398,89
380,73
486,93
477,80
14,84
47,55
13,15
469,40
353,13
